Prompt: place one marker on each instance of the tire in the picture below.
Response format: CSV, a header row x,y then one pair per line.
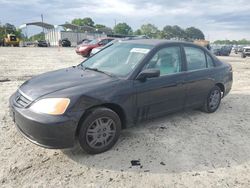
x,y
99,131
88,55
243,55
212,101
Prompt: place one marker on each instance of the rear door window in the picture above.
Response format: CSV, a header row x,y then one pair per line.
x,y
196,58
210,62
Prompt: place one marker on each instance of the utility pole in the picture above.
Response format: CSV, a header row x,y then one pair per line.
x,y
115,22
43,25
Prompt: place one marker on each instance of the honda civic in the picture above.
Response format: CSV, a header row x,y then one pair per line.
x,y
118,87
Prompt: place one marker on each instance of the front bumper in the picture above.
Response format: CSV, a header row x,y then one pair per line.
x,y
247,53
55,132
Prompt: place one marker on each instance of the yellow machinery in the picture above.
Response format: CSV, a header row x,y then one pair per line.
x,y
11,40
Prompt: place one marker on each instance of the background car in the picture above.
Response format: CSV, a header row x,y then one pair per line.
x,y
42,43
238,49
65,43
215,49
85,49
97,49
245,52
221,50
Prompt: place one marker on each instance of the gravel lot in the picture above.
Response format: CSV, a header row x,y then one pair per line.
x,y
185,149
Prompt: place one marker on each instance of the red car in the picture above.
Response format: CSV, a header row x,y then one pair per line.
x,y
85,49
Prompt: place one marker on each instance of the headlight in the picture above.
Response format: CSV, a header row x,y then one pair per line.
x,y
83,48
52,106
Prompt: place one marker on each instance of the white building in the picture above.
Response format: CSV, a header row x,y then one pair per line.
x,y
74,33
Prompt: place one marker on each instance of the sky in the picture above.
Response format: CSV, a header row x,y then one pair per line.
x,y
218,19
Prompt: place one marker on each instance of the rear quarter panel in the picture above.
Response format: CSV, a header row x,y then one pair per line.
x,y
223,74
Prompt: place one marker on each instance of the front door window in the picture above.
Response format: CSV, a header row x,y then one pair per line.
x,y
167,60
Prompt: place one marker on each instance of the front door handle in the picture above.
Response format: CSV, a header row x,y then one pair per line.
x,y
173,84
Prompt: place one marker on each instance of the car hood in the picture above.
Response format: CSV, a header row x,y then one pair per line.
x,y
61,79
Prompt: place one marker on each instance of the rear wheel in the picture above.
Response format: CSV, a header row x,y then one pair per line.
x,y
99,131
213,100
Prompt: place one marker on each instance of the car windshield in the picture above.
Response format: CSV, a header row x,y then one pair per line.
x,y
119,59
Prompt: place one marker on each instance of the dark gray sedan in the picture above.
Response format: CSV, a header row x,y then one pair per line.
x,y
118,87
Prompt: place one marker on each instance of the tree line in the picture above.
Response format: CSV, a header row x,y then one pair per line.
x,y
150,30
233,42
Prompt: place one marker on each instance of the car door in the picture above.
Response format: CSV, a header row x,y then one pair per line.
x,y
198,80
163,94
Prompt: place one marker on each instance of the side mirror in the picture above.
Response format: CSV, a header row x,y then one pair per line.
x,y
148,73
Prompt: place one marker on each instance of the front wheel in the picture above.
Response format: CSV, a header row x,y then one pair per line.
x,y
213,100
99,131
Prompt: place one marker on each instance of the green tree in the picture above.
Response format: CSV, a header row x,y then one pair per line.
x,y
99,26
168,32
194,33
103,28
149,30
123,29
244,42
9,28
235,42
138,32
83,21
160,35
19,33
2,32
175,31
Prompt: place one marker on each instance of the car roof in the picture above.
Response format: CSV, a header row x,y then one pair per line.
x,y
156,42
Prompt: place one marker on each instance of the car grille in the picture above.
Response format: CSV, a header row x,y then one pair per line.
x,y
21,101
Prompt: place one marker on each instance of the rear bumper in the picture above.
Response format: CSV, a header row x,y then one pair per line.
x,y
48,131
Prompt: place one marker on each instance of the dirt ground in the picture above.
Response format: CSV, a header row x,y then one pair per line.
x,y
185,149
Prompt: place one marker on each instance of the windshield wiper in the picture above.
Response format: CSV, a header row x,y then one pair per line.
x,y
97,70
